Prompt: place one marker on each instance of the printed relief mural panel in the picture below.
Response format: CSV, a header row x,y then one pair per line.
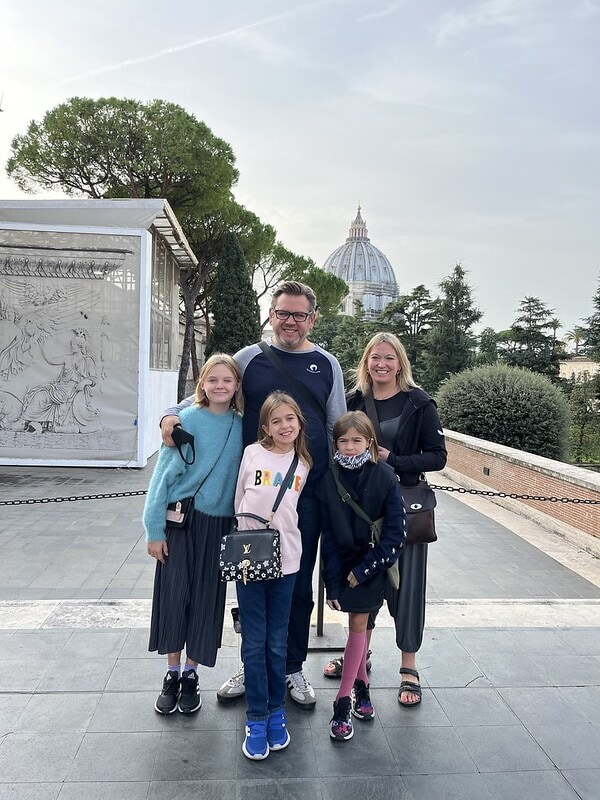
x,y
69,343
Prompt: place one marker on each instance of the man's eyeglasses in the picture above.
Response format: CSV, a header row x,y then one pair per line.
x,y
299,316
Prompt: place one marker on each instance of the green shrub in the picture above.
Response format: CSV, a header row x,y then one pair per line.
x,y
509,406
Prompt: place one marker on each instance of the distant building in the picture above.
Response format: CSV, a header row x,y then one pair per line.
x,y
365,269
576,368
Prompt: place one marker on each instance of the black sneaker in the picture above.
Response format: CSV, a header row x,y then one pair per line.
x,y
362,707
166,702
189,699
340,727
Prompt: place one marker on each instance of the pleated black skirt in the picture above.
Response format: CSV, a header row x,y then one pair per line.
x,y
188,603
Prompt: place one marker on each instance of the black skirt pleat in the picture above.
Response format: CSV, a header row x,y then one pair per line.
x,y
188,603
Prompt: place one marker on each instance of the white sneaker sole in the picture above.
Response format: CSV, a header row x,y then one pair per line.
x,y
341,738
281,746
257,757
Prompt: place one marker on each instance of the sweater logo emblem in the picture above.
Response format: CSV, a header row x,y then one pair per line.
x,y
314,369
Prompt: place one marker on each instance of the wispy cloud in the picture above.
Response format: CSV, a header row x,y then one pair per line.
x,y
385,12
484,14
234,33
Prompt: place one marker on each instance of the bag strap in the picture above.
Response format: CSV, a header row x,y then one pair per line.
x,y
348,499
300,388
372,414
371,411
217,459
288,476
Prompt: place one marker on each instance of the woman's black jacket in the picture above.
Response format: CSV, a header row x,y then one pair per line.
x,y
419,444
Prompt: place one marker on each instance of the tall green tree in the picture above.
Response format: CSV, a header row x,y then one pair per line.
x,y
410,318
532,342
450,342
345,337
488,347
113,147
576,337
592,329
234,305
329,289
584,407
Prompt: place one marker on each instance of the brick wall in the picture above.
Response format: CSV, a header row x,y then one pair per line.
x,y
505,469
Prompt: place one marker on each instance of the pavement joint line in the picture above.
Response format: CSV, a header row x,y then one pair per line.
x,y
441,613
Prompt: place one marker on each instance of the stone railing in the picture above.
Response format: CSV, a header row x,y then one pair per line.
x,y
477,464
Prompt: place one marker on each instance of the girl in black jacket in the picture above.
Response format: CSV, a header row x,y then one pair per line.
x,y
411,441
354,561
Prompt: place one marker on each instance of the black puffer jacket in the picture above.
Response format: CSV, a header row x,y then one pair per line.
x,y
419,445
345,544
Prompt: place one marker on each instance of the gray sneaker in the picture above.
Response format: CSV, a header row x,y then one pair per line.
x,y
233,688
301,692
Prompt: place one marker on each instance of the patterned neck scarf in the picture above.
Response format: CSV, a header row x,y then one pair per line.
x,y
352,462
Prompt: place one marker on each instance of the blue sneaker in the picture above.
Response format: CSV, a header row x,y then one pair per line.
x,y
278,735
255,744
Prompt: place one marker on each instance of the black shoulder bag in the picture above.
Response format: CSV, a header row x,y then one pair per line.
x,y
254,555
179,513
419,500
393,573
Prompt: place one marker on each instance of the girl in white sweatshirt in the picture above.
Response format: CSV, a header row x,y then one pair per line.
x,y
265,605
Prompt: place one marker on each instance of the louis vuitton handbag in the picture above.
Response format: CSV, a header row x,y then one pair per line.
x,y
254,554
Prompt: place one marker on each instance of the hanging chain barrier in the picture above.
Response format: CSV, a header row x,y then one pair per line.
x,y
513,496
459,489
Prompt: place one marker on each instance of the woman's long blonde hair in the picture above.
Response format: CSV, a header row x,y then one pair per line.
x,y
404,378
237,401
362,424
272,402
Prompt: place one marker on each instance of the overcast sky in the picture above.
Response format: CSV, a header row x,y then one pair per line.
x,y
468,131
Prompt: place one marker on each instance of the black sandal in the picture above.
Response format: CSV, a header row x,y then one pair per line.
x,y
408,686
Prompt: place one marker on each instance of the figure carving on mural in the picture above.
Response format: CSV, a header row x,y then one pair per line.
x,y
65,404
42,313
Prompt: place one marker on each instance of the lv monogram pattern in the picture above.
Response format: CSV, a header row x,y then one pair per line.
x,y
253,555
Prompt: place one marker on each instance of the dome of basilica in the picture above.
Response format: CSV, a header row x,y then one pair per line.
x,y
365,269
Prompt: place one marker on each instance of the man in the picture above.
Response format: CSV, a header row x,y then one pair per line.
x,y
292,316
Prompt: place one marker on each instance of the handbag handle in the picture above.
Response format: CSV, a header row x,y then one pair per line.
x,y
278,499
181,437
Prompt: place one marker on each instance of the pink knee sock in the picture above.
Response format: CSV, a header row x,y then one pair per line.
x,y
362,670
354,652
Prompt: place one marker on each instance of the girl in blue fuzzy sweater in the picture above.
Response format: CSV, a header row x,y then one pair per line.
x,y
188,602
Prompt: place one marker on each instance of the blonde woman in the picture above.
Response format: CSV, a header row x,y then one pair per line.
x,y
411,442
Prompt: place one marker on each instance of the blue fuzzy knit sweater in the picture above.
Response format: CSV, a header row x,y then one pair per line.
x,y
173,479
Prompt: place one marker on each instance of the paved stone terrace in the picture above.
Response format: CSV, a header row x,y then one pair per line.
x,y
510,669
